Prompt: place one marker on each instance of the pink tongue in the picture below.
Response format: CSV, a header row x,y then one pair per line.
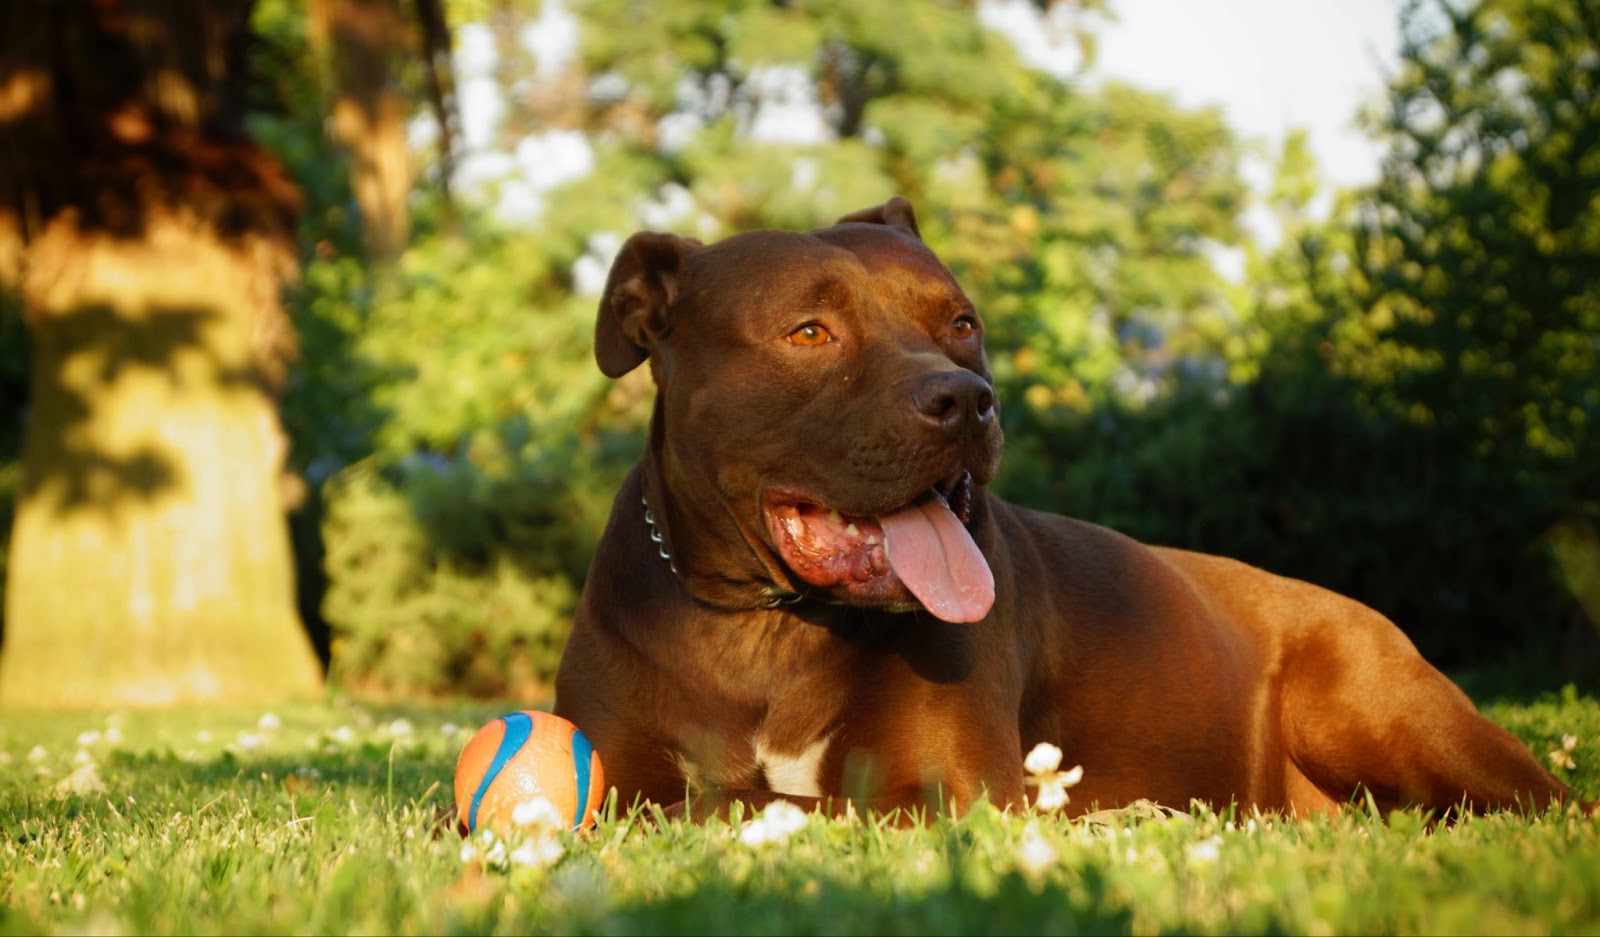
x,y
935,557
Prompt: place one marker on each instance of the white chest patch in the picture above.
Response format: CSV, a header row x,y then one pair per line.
x,y
792,774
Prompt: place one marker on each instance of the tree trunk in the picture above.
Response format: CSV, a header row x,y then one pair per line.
x,y
148,239
365,40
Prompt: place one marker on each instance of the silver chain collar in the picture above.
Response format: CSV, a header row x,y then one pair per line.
x,y
661,551
655,534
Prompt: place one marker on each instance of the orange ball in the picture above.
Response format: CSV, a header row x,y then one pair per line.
x,y
521,756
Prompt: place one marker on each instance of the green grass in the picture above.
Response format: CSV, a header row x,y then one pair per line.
x,y
207,823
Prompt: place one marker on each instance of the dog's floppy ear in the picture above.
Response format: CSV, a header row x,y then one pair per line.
x,y
896,212
641,287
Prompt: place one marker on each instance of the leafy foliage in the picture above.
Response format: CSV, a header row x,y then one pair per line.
x,y
1413,391
1464,361
1482,310
456,549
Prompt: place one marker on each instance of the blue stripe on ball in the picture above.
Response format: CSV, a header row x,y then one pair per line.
x,y
581,753
518,728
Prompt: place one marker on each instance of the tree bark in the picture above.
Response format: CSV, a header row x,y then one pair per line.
x,y
148,239
365,39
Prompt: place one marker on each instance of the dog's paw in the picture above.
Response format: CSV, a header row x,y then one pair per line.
x,y
653,817
444,819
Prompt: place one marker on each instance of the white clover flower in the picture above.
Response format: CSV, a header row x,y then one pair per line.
x,y
449,729
779,821
400,726
1204,852
203,737
85,780
1043,759
1562,757
343,735
754,833
538,851
539,814
785,818
114,736
248,741
269,722
37,754
82,758
1034,854
85,739
485,847
1041,764
536,843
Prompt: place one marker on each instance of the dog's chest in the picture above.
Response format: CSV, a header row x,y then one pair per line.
x,y
791,772
763,759
767,711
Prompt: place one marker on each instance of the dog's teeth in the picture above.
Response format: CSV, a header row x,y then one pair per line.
x,y
872,539
852,530
835,517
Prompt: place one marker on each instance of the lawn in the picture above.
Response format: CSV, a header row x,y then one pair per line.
x,y
317,819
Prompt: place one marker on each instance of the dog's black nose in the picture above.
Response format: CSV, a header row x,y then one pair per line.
x,y
954,400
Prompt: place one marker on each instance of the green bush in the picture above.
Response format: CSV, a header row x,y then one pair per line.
x,y
410,616
446,575
1320,490
455,553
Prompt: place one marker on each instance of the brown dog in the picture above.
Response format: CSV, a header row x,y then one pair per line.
x,y
805,591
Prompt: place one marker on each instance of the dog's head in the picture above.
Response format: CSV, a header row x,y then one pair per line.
x,y
824,393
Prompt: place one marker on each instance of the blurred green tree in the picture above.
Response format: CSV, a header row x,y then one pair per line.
x,y
1479,338
1084,220
1412,418
1484,246
365,46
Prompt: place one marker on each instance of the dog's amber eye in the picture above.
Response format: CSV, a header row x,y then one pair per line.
x,y
810,335
964,327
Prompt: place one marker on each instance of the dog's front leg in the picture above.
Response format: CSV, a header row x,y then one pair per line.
x,y
911,808
906,804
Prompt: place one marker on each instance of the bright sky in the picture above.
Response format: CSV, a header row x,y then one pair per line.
x,y
1271,64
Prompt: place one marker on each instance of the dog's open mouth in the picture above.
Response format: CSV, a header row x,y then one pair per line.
x,y
922,548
